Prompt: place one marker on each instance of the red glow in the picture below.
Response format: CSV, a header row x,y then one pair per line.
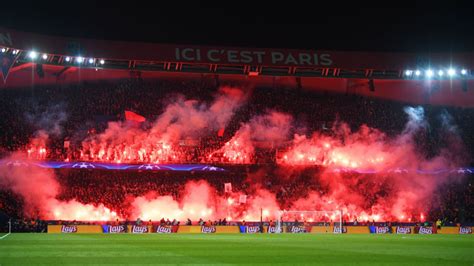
x,y
187,120
319,151
175,131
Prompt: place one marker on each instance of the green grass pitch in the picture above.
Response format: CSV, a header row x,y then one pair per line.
x,y
285,249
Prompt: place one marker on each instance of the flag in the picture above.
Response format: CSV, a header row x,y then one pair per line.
x,y
131,116
220,133
6,63
228,187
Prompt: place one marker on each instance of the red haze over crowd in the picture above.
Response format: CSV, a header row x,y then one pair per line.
x,y
388,195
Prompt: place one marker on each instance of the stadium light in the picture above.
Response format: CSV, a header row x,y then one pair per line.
x,y
45,56
464,72
33,55
451,72
429,73
4,50
79,59
102,61
408,72
91,60
68,58
16,51
417,73
440,73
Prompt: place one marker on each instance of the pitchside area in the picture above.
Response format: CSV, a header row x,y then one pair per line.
x,y
60,249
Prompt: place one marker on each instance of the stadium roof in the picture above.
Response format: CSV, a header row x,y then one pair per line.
x,y
354,27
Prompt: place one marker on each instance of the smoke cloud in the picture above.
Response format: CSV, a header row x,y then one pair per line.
x,y
39,189
48,120
182,119
388,194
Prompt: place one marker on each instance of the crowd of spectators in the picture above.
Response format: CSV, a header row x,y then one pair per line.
x,y
89,106
113,188
453,203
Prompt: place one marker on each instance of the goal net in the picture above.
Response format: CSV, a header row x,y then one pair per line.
x,y
332,220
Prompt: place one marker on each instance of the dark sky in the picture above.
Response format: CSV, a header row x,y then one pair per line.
x,y
448,27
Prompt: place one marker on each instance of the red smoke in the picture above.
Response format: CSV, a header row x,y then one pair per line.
x,y
38,188
183,119
200,200
265,131
389,195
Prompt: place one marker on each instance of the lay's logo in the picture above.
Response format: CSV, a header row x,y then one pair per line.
x,y
69,229
253,229
425,230
382,229
464,230
208,229
163,229
298,229
117,229
337,230
273,230
139,229
403,230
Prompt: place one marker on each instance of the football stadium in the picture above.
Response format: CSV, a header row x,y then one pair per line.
x,y
128,152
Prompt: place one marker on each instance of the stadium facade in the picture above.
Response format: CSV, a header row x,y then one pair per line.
x,y
439,78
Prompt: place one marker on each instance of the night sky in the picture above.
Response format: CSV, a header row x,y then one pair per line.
x,y
419,28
